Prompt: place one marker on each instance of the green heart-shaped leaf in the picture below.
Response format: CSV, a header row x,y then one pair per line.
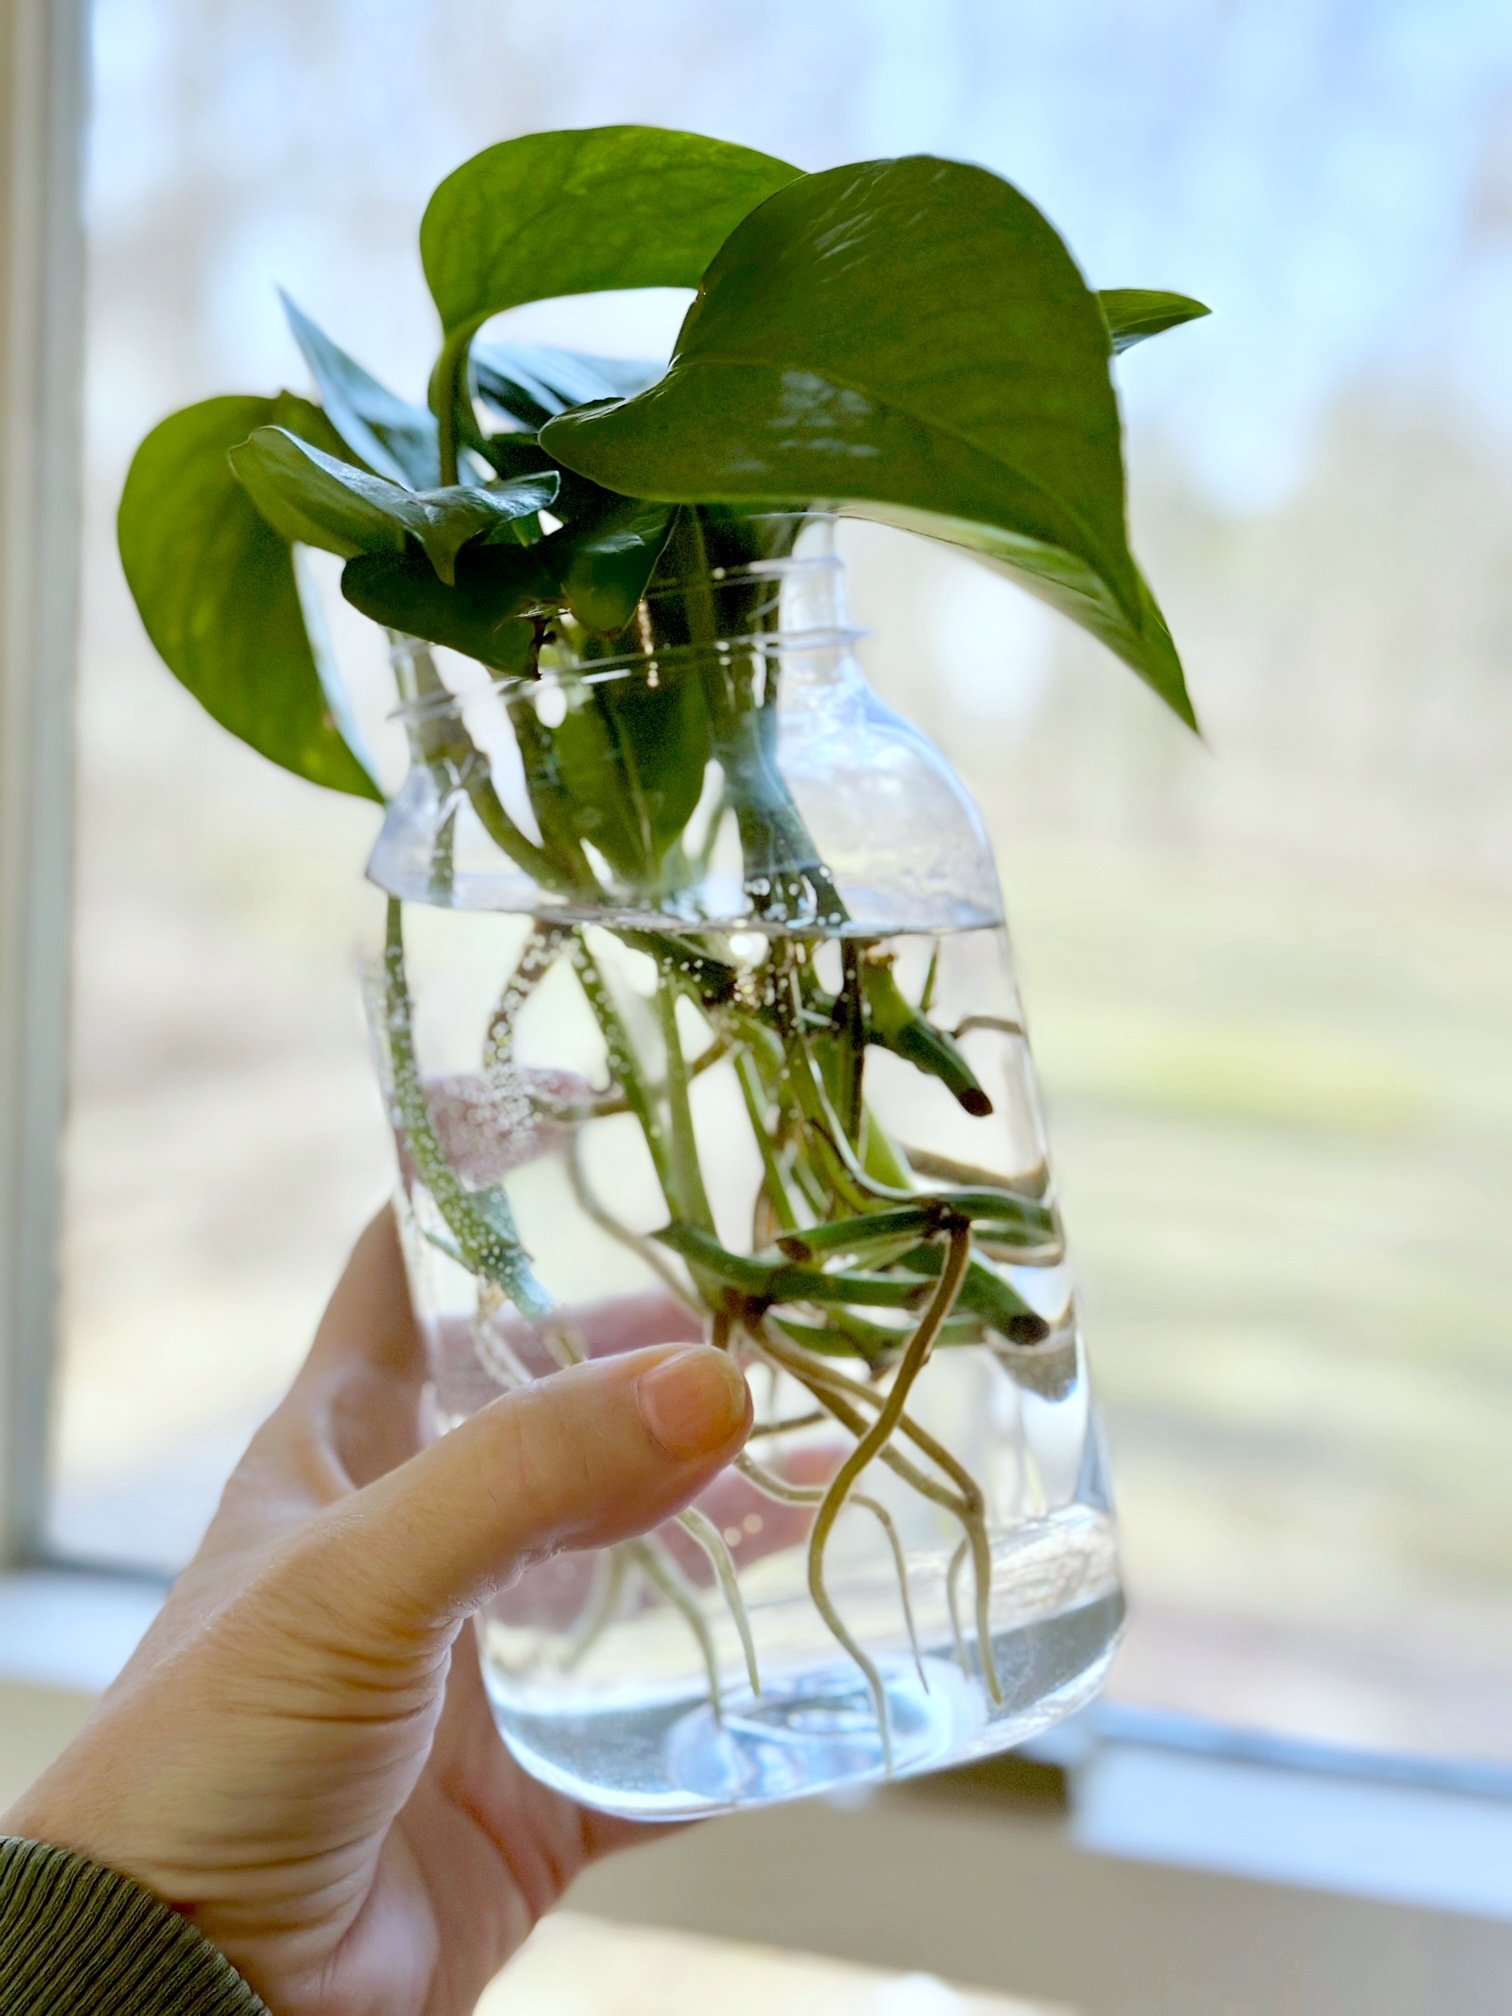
x,y
305,419
912,340
315,499
1134,313
511,455
463,515
319,500
480,616
219,596
602,562
598,567
579,212
527,383
394,438
631,759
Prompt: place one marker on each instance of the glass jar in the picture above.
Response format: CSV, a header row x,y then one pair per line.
x,y
697,1018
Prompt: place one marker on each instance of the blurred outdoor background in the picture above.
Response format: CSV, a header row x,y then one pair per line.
x,y
1269,977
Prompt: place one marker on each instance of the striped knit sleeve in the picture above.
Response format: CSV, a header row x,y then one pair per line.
x,y
80,1940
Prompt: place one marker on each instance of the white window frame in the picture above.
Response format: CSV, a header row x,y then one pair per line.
x,y
1164,1794
43,68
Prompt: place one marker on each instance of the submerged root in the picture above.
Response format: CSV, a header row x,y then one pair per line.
x,y
835,1392
705,1534
593,1208
825,1170
605,1105
663,1573
711,1540
653,1558
979,1545
914,1359
789,1426
602,1607
785,1492
1000,1024
953,1598
844,1398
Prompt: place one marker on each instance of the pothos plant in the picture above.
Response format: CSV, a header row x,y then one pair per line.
x,y
905,340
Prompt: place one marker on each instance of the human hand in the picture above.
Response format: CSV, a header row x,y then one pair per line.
x,y
300,1756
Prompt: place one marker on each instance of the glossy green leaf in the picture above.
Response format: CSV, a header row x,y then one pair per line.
x,y
480,616
304,418
578,212
604,561
322,501
598,568
512,455
1135,313
217,590
527,383
296,488
394,438
463,514
631,759
909,339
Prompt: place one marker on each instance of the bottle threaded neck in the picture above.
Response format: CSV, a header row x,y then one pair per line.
x,y
787,604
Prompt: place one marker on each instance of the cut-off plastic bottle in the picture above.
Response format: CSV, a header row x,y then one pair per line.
x,y
765,1083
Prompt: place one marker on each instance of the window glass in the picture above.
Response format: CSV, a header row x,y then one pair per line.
x,y
1269,977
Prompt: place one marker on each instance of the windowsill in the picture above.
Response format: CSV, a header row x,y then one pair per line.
x,y
1140,1789
574,1963
1433,1846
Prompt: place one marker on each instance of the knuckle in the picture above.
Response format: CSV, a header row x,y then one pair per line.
x,y
324,1607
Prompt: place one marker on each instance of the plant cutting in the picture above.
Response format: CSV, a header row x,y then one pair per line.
x,y
694,1013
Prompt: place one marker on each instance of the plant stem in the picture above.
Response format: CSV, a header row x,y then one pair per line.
x,y
536,959
785,1281
690,1184
775,1183
439,740
450,378
555,812
624,1064
480,1221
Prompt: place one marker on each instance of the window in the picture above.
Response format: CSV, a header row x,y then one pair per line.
x,y
1270,980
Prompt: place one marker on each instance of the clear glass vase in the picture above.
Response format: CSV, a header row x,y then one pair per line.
x,y
697,1018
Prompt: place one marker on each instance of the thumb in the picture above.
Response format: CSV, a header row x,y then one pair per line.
x,y
598,1453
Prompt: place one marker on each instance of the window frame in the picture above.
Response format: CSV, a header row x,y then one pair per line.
x,y
43,92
